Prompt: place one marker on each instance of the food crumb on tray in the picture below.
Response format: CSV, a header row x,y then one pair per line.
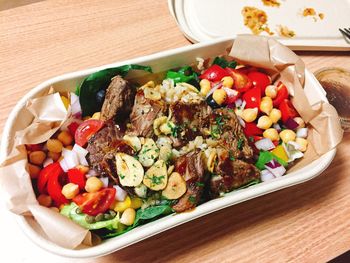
x,y
312,13
273,3
284,31
256,20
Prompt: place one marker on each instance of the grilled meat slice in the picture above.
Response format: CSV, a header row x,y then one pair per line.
x,y
226,127
102,146
118,100
144,112
191,167
231,174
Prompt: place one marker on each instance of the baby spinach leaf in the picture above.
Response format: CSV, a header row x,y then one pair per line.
x,y
224,63
99,81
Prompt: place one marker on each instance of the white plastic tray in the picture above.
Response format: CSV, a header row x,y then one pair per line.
x,y
159,62
202,20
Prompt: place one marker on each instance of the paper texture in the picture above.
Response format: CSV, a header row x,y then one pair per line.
x,y
49,114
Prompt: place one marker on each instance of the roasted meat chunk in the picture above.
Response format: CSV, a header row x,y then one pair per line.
x,y
191,167
144,112
118,100
231,173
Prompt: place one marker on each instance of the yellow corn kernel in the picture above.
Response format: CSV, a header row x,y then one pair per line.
x,y
264,122
287,135
136,202
275,115
271,91
227,82
65,137
249,115
34,170
54,145
219,96
280,153
303,143
205,86
266,105
65,102
70,190
37,157
93,184
96,115
271,134
300,122
120,206
128,217
44,200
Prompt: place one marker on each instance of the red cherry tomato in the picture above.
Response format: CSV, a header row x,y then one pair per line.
x,y
72,127
86,130
54,186
95,203
287,110
246,69
45,174
240,81
282,94
260,80
252,98
251,129
214,73
75,176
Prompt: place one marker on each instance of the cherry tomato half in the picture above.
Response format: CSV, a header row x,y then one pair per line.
x,y
54,186
287,110
86,130
260,80
251,129
214,73
252,98
45,174
95,203
240,81
75,176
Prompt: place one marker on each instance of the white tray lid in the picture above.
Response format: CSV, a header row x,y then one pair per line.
x,y
202,20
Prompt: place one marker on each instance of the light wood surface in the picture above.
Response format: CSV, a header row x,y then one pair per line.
x,y
305,223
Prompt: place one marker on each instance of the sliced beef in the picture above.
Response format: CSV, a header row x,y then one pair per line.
x,y
144,112
103,145
191,167
225,125
118,100
231,173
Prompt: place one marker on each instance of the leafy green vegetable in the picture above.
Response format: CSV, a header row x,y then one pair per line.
x,y
99,81
70,211
265,157
253,182
184,74
224,63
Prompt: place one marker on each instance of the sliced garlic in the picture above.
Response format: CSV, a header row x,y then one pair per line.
x,y
129,170
175,188
133,141
149,152
156,176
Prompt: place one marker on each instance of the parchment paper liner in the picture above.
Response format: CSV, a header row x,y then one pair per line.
x,y
49,114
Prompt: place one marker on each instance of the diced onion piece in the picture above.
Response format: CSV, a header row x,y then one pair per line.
x,y
243,105
277,127
217,86
275,168
238,103
91,173
120,193
241,121
266,175
81,152
302,133
264,144
75,104
104,180
64,165
47,162
83,161
71,159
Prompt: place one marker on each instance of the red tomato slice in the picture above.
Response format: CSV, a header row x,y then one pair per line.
x,y
214,73
72,127
54,186
86,130
246,69
45,174
282,94
251,129
240,81
287,110
75,176
260,80
95,203
252,98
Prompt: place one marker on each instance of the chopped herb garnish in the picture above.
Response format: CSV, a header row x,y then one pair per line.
x,y
157,179
122,176
200,184
174,130
240,143
232,158
192,199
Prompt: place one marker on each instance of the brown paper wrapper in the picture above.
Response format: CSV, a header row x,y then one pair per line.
x,y
49,114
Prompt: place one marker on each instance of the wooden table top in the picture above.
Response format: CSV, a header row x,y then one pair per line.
x,y
305,223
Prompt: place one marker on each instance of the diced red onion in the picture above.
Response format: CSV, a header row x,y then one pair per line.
x,y
277,127
243,105
238,103
241,121
104,180
120,193
302,133
291,124
216,86
273,164
276,170
266,175
75,104
47,162
91,173
264,144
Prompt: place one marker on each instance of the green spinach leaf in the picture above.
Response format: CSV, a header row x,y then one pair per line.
x,y
224,63
99,81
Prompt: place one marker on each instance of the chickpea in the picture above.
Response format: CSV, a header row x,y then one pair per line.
x,y
227,82
249,115
287,135
70,190
264,122
219,96
37,157
65,137
266,105
55,209
271,91
303,143
54,156
44,200
69,147
275,115
93,184
205,86
300,122
82,168
271,134
34,170
54,145
96,115
128,217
